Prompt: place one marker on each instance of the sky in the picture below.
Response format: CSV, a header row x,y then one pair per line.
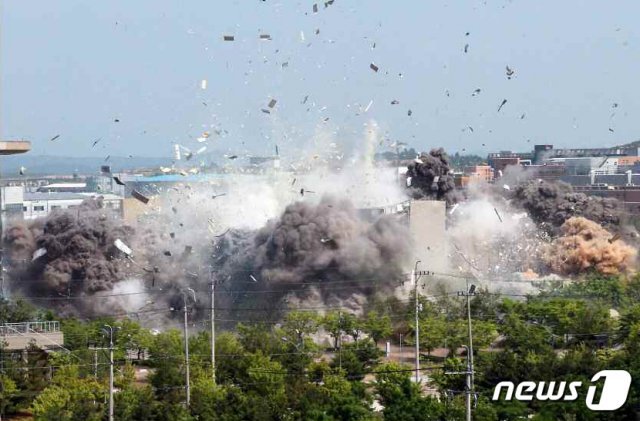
x,y
74,67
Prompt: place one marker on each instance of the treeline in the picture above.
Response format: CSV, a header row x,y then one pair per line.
x,y
285,371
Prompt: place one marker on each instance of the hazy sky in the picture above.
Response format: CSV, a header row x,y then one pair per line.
x,y
71,67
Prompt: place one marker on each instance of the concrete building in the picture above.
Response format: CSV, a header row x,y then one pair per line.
x,y
427,224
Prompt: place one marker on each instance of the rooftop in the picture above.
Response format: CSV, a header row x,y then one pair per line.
x,y
13,147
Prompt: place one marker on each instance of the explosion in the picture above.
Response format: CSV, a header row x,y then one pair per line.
x,y
68,253
311,247
585,246
551,204
429,177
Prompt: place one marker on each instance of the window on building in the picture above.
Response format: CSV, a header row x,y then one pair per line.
x,y
24,209
38,208
55,207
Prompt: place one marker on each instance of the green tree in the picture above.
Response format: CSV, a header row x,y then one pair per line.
x,y
377,326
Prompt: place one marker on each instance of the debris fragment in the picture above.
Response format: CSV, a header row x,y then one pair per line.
x,y
233,157
23,170
453,208
118,181
95,142
229,38
167,253
499,217
466,48
409,112
105,169
253,278
265,37
202,149
272,103
203,84
315,8
304,101
264,110
374,67
141,197
395,102
122,247
610,129
38,253
504,101
54,137
476,92
510,72
366,109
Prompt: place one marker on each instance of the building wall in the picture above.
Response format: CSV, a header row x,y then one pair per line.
x,y
427,226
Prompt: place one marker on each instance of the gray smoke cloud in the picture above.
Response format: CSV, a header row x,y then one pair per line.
x,y
80,260
429,177
324,248
551,204
297,256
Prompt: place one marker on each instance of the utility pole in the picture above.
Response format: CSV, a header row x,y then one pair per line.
x,y
213,328
470,291
417,302
415,275
110,330
186,343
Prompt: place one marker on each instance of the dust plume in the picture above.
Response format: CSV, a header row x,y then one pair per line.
x,y
429,177
550,204
327,246
584,246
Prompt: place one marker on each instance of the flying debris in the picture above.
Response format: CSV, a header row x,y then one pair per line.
x,y
522,116
38,253
118,181
476,92
264,110
116,120
203,84
466,48
253,278
202,149
135,193
265,37
229,38
95,142
233,157
497,214
105,169
306,98
509,72
504,101
409,112
54,137
453,208
373,67
218,195
122,247
272,103
23,170
315,8
610,129
395,102
366,109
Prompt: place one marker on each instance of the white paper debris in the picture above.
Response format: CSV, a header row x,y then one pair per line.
x,y
38,253
453,208
203,84
122,247
408,181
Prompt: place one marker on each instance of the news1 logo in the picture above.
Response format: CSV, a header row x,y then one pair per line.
x,y
614,390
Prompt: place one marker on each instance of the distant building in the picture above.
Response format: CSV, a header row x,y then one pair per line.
x,y
36,205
